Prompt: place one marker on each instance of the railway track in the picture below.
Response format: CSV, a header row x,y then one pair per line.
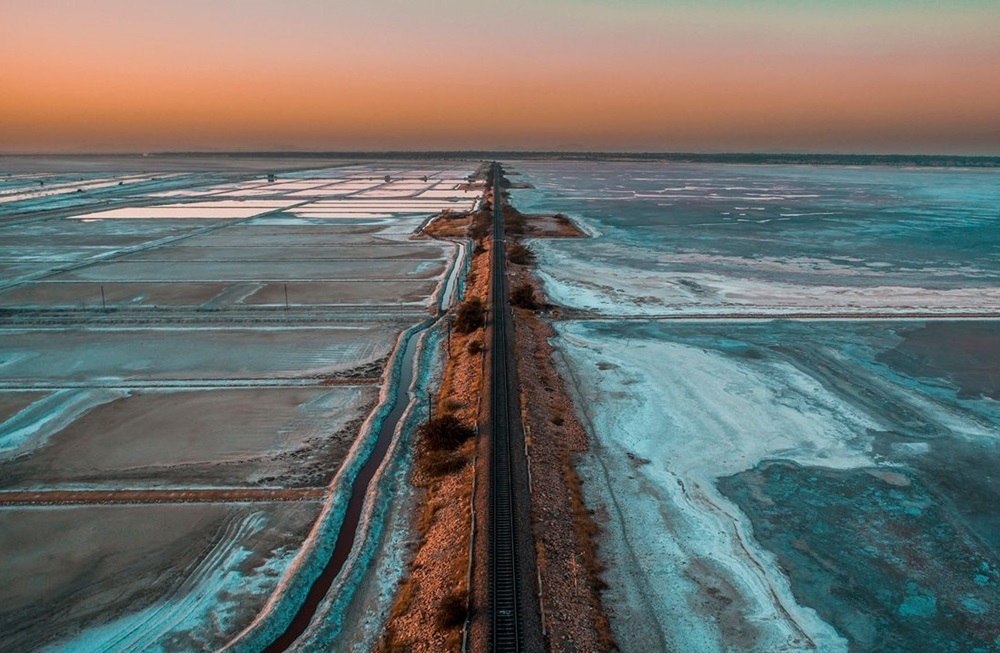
x,y
506,631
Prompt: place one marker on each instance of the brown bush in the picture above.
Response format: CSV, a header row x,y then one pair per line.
x,y
523,296
441,463
452,611
482,223
514,221
444,433
471,315
475,347
519,254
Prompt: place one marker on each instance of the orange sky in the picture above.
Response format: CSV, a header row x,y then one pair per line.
x,y
717,75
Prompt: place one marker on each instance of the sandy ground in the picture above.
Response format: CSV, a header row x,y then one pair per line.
x,y
544,225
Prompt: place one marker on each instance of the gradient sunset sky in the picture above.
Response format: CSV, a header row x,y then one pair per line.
x,y
906,76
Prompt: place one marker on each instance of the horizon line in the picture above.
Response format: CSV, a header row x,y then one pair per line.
x,y
478,152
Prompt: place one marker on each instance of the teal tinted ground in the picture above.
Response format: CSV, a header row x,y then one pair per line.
x,y
929,227
903,552
907,574
903,555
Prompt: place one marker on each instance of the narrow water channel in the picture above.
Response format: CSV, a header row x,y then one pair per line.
x,y
348,529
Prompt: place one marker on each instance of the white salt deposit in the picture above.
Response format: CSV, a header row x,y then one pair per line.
x,y
696,415
216,210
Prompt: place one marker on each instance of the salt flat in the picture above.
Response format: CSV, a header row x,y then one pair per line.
x,y
176,335
118,355
755,239
784,485
229,438
693,425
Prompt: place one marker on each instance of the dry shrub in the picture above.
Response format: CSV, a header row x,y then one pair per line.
x,y
444,433
523,296
441,463
471,315
514,221
520,255
475,347
482,224
452,611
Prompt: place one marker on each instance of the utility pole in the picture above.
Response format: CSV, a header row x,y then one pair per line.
x,y
104,303
286,296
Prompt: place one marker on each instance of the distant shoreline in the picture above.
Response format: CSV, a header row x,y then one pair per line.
x,y
745,158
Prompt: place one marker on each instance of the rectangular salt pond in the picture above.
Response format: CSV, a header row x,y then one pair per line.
x,y
254,233
334,191
86,437
279,252
88,295
74,233
451,194
116,356
351,214
373,294
384,206
220,210
211,271
112,578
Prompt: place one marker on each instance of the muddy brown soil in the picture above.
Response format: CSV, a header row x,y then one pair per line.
x,y
449,225
542,225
